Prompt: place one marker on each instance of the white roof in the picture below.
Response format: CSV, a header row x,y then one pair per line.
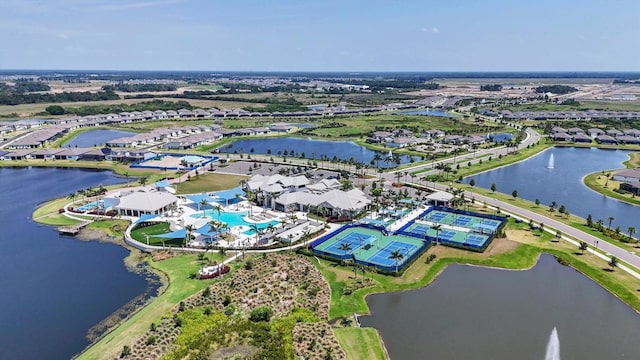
x,y
440,196
146,201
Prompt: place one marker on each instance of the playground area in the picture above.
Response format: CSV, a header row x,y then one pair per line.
x,y
370,247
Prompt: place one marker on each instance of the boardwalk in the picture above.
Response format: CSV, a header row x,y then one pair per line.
x,y
72,229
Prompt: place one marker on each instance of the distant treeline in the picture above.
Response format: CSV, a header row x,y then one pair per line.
x,y
140,87
23,93
491,87
118,108
626,81
556,89
23,86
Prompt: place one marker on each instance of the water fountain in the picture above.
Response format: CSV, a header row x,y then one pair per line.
x,y
551,163
553,347
390,154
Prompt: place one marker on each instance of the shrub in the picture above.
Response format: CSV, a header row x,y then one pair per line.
x,y
151,340
248,265
207,292
227,300
207,310
261,313
153,326
126,350
229,310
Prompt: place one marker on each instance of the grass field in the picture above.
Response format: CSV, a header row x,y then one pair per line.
x,y
634,160
210,182
363,343
584,105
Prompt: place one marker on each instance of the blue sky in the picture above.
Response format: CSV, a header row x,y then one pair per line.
x,y
340,35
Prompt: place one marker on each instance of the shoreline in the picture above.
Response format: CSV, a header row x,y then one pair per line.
x,y
610,194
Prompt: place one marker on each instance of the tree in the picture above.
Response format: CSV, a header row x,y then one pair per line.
x,y
72,196
202,204
514,193
493,187
589,220
611,218
472,183
396,256
437,228
583,247
261,313
541,227
346,247
537,202
631,230
55,110
613,262
143,180
189,229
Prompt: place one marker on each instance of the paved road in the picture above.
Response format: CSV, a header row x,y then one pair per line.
x,y
621,254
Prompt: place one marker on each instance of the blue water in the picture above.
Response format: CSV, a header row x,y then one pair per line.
x,y
312,149
96,137
53,288
234,219
563,184
90,206
429,112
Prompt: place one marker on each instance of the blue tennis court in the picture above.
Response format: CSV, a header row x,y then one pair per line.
x,y
447,234
354,240
461,221
436,216
383,256
477,240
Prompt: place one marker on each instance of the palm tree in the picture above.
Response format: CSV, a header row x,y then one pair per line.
x,y
143,180
222,253
611,218
189,229
437,228
631,230
600,222
613,262
215,227
73,195
346,247
203,203
218,208
237,200
583,247
396,256
376,159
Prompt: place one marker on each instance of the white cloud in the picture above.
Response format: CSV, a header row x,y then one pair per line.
x,y
433,30
63,36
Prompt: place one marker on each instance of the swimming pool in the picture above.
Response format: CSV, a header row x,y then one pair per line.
x,y
90,206
234,219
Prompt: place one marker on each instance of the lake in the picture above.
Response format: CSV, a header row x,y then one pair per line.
x,y
481,313
96,137
54,289
312,149
563,184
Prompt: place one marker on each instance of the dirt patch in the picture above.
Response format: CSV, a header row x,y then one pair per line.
x,y
501,246
236,352
162,255
98,235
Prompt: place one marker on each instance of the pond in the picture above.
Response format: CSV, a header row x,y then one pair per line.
x,y
312,149
96,137
480,313
54,288
534,179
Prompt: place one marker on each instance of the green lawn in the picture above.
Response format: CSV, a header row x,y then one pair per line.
x,y
140,233
361,343
210,182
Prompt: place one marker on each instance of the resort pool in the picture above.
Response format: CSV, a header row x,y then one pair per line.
x,y
234,219
90,206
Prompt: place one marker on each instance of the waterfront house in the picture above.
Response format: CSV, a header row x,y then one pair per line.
x,y
605,139
560,136
582,138
594,132
628,175
22,154
633,188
